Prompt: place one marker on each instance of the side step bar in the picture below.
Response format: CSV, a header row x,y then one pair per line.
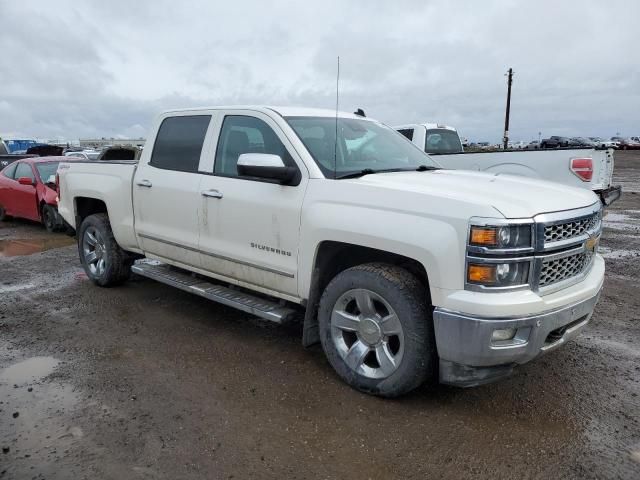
x,y
246,302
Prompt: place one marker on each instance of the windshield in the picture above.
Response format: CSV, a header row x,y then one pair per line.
x,y
362,145
45,170
442,141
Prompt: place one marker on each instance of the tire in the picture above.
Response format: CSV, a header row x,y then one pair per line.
x,y
111,265
50,218
356,342
3,215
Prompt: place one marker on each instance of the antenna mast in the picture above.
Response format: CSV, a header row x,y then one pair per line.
x,y
335,146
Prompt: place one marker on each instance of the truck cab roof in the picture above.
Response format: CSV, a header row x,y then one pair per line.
x,y
290,111
428,126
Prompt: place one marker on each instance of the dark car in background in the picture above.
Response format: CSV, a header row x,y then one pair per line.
x,y
582,142
554,142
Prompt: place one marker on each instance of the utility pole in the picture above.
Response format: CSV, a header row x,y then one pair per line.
x,y
505,139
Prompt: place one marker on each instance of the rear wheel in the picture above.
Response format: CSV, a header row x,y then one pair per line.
x,y
376,329
50,218
104,262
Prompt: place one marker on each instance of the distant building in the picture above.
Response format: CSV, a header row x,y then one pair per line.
x,y
103,142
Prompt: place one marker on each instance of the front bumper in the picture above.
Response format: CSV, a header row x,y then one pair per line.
x,y
468,357
610,195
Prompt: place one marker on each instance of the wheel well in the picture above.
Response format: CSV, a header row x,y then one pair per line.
x,y
88,206
335,257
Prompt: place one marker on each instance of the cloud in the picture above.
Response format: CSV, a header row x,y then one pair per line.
x,y
78,69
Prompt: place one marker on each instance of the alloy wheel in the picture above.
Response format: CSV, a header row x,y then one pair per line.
x,y
367,333
94,251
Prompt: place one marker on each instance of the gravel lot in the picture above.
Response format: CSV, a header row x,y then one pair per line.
x,y
144,381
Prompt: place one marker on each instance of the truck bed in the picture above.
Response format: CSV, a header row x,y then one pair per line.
x,y
552,165
113,187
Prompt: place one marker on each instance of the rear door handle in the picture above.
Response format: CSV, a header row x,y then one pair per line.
x,y
212,194
144,183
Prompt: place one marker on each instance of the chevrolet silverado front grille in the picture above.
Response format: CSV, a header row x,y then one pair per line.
x,y
559,269
571,229
562,250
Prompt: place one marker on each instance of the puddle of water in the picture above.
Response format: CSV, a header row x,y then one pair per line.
x,y
29,370
18,247
36,430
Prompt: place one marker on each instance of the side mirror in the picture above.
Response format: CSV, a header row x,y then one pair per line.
x,y
267,166
26,181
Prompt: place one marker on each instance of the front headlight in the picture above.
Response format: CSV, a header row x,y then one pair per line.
x,y
508,274
502,237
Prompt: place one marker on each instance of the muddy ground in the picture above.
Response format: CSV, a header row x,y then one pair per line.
x,y
144,381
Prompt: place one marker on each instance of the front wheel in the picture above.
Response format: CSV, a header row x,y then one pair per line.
x,y
3,214
104,262
50,218
376,329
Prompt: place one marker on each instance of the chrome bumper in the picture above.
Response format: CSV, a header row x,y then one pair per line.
x,y
468,356
610,195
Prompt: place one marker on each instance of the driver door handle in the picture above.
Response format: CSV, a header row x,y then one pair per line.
x,y
212,194
144,183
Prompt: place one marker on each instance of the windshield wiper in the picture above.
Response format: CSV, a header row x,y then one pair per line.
x,y
368,171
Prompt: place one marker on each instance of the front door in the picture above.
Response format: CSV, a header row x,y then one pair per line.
x,y
166,191
250,228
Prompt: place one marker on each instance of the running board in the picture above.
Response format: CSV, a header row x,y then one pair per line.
x,y
230,297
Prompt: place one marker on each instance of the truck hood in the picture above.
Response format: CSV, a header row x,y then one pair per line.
x,y
513,196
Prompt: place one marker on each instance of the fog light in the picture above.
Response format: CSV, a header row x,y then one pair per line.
x,y
503,334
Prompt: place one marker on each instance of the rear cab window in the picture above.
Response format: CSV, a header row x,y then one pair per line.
x,y
442,140
179,143
407,132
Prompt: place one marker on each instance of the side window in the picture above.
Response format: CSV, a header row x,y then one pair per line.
x,y
24,170
10,170
407,132
241,134
179,143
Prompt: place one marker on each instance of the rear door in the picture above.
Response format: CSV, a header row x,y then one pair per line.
x,y
166,191
23,199
250,228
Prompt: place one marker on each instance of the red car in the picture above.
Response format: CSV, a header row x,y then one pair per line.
x,y
27,190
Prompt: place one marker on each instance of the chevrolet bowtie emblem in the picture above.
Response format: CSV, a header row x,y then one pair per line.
x,y
591,243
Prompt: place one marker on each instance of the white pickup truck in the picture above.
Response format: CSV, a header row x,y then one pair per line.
x,y
577,167
405,272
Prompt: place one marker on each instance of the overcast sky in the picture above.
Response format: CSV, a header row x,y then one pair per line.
x,y
75,69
